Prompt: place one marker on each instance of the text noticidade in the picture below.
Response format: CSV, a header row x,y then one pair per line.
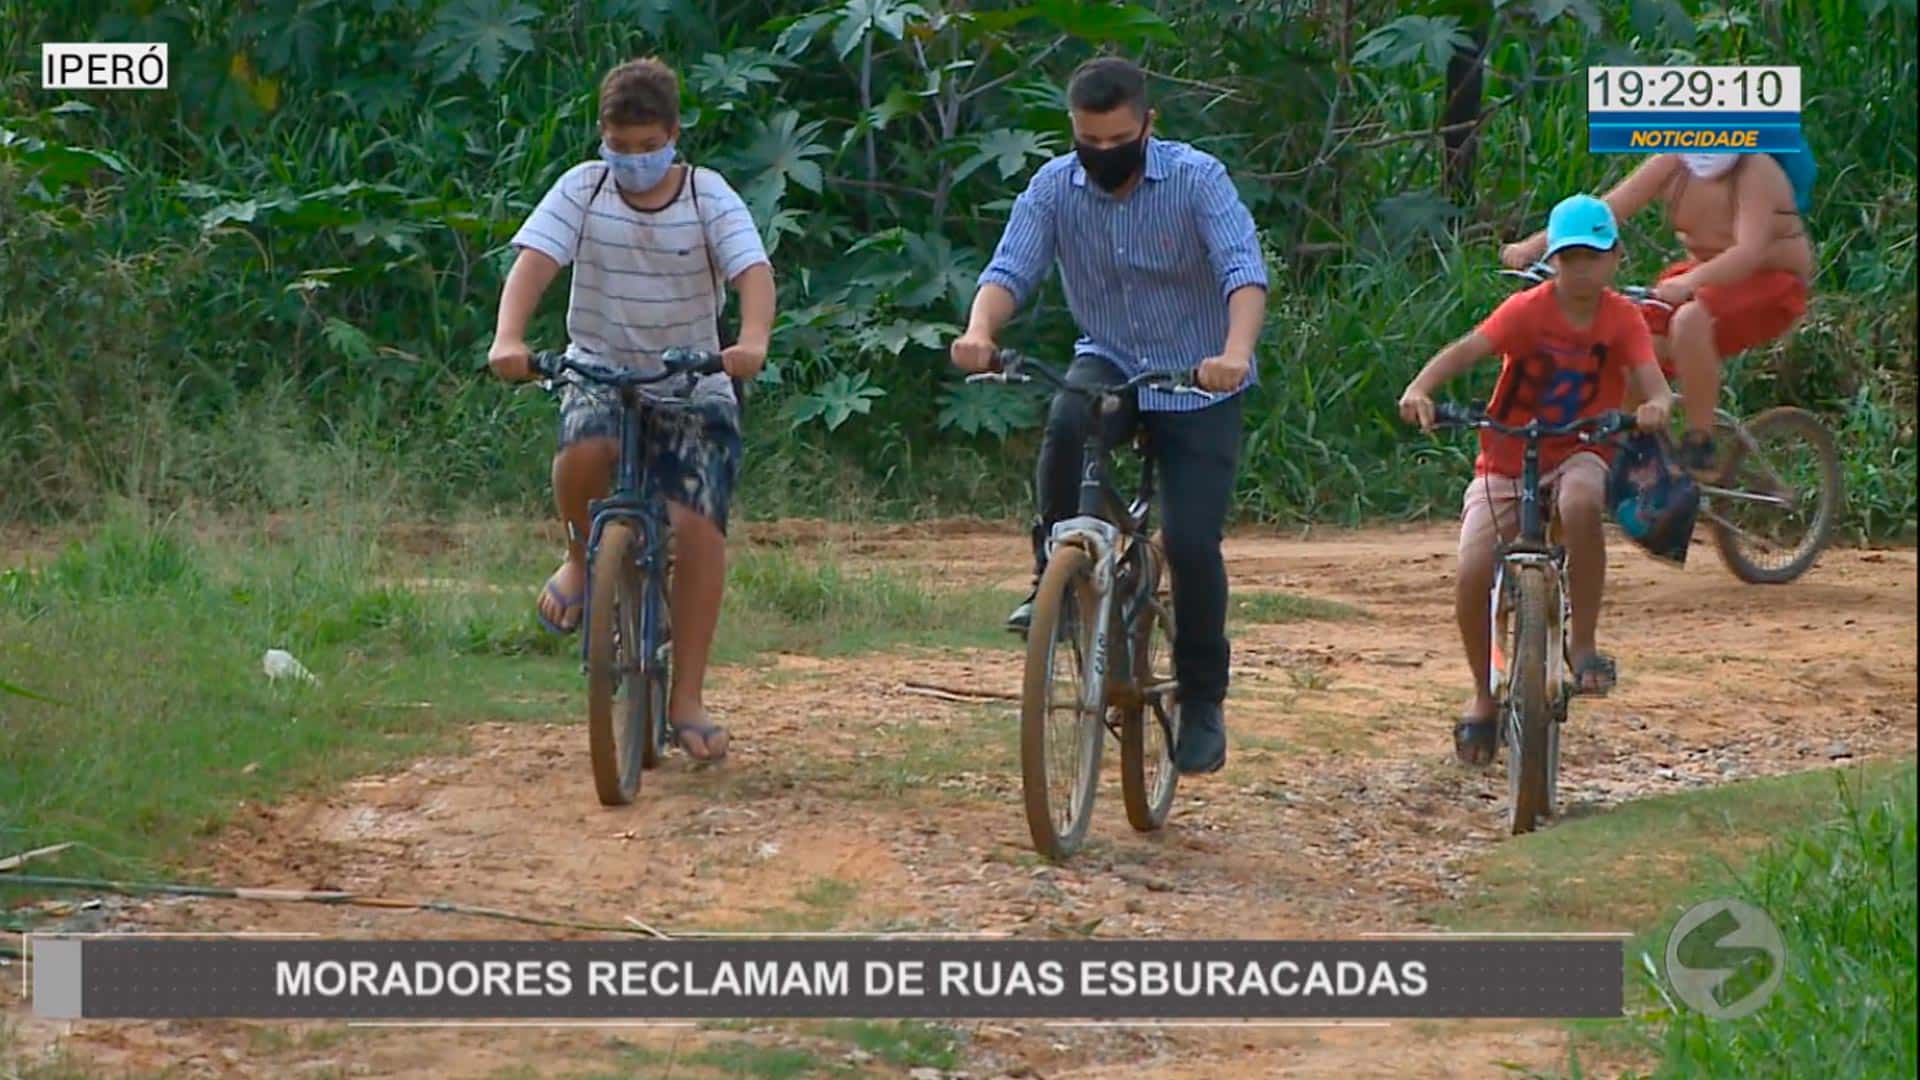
x,y
100,65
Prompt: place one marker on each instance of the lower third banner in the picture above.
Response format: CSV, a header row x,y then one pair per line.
x,y
109,977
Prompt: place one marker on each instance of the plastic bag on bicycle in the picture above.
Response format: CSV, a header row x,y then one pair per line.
x,y
1654,500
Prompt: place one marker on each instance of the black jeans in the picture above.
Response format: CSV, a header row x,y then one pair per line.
x,y
1197,454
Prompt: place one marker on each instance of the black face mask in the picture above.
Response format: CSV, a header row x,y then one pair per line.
x,y
1112,166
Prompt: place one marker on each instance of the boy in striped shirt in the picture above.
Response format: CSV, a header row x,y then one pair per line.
x,y
650,242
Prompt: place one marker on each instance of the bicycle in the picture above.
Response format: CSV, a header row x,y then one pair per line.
x,y
1106,597
1531,608
626,641
1751,504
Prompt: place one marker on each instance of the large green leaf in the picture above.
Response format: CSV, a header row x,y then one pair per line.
x,y
1545,11
1008,150
736,73
992,409
1125,24
475,37
781,151
1652,17
290,34
1414,37
858,18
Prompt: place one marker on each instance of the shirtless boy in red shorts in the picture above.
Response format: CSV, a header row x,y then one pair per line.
x,y
1743,283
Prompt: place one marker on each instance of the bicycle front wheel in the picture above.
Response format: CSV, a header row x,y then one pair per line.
x,y
1060,735
1777,501
1528,712
616,680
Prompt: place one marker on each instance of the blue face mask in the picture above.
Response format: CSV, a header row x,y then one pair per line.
x,y
638,172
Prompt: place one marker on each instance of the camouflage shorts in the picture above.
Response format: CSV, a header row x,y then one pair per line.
x,y
695,450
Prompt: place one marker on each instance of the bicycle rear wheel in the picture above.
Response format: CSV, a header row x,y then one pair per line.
x,y
1060,737
616,680
1528,714
1150,726
1778,498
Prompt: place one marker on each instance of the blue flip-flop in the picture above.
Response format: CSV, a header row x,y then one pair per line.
x,y
705,731
566,604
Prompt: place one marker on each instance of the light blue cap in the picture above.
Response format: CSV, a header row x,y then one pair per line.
x,y
1581,221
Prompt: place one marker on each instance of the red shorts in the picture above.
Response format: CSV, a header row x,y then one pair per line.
x,y
1745,313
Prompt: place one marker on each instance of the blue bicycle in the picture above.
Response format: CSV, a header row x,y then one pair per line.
x,y
626,640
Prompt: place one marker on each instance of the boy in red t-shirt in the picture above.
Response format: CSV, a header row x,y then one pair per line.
x,y
1570,347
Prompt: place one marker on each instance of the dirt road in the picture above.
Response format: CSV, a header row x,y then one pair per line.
x,y
855,803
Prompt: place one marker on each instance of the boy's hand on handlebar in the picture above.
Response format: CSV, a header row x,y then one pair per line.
x,y
511,360
1416,407
744,359
1653,416
1222,374
973,353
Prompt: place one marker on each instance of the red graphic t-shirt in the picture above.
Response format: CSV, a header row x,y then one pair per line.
x,y
1556,371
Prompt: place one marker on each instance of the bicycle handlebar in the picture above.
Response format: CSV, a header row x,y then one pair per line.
x,y
674,362
1542,272
1012,366
1590,429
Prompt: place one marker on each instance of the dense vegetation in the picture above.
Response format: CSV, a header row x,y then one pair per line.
x,y
276,281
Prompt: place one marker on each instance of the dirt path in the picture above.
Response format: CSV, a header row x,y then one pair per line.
x,y
853,803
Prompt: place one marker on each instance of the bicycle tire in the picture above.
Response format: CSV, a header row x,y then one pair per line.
x,y
1064,599
657,677
614,721
1529,713
1791,421
1148,777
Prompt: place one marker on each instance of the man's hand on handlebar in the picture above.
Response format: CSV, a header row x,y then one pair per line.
x,y
1222,374
973,353
511,360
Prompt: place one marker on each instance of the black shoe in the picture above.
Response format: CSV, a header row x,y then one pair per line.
x,y
1202,746
1697,454
1022,616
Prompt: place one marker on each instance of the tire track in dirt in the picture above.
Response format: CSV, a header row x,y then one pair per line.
x,y
852,803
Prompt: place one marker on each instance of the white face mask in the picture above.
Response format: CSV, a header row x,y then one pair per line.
x,y
1708,166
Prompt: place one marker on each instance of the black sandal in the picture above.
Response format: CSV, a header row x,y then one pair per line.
x,y
1596,663
1475,741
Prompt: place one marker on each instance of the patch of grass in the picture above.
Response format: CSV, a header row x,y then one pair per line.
x,y
739,1057
920,756
904,1044
1620,869
144,637
1283,607
1843,894
821,607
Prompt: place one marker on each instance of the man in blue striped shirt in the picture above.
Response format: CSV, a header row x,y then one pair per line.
x,y
1163,272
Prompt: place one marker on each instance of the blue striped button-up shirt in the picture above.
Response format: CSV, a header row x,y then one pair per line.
x,y
1147,277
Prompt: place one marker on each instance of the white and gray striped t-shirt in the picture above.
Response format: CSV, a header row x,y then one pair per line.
x,y
641,279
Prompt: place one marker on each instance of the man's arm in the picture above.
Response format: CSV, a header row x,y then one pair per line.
x,y
1761,189
1020,262
1233,247
1626,198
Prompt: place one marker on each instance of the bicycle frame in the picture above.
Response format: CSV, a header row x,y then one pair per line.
x,y
1095,530
635,498
1533,547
